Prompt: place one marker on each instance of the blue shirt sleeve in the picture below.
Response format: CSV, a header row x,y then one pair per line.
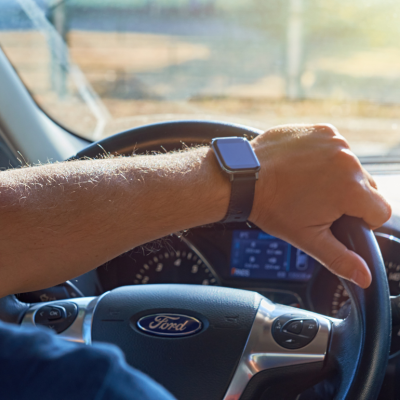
x,y
35,364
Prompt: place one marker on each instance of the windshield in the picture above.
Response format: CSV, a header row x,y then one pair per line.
x,y
98,67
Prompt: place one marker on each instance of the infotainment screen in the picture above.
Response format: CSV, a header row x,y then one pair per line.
x,y
257,255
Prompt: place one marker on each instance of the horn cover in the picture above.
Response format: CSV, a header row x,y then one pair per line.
x,y
199,366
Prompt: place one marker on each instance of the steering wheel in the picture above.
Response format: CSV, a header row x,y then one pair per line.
x,y
205,342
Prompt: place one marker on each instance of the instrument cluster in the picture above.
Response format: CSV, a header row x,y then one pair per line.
x,y
174,261
241,257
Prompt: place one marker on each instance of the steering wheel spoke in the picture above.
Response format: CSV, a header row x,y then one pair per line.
x,y
272,352
279,347
78,327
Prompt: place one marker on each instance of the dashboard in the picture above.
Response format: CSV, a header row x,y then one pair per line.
x,y
236,256
242,257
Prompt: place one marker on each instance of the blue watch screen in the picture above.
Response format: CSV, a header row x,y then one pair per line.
x,y
237,154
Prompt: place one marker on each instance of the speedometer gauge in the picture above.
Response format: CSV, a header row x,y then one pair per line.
x,y
176,262
390,248
179,265
339,299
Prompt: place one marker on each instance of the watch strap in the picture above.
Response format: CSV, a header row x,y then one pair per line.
x,y
242,197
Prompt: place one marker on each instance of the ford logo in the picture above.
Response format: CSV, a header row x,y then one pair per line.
x,y
172,325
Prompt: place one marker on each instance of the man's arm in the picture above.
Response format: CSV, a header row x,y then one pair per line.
x,y
64,219
61,220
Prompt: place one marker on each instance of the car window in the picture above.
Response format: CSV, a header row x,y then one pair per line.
x,y
98,67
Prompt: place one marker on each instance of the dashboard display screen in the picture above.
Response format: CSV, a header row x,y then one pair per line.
x,y
257,255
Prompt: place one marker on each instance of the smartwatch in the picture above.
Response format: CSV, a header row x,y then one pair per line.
x,y
238,160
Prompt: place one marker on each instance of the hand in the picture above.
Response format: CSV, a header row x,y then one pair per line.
x,y
309,178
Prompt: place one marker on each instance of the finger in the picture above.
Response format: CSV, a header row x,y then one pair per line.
x,y
338,259
370,205
386,208
371,180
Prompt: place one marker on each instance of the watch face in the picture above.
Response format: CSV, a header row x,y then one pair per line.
x,y
236,154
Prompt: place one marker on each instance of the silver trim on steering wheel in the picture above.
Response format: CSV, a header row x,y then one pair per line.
x,y
80,330
263,352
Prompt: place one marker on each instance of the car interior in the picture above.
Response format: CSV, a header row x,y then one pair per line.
x,y
84,78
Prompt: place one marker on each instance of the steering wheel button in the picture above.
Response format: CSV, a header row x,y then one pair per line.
x,y
294,327
55,313
49,313
290,343
57,317
294,331
42,315
278,325
310,328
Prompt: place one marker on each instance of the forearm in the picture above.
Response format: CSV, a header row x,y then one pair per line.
x,y
61,220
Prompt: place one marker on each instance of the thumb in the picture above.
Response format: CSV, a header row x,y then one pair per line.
x,y
336,257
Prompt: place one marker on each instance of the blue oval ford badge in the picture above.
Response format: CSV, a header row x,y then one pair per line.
x,y
172,325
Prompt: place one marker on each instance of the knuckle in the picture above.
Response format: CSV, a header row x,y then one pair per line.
x,y
332,133
327,128
339,266
342,142
347,159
